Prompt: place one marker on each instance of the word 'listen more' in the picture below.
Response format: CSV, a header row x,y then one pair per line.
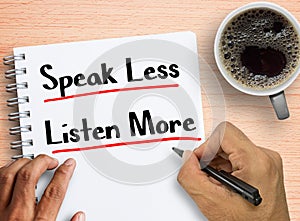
x,y
79,80
144,127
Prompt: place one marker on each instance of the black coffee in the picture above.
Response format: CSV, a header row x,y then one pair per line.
x,y
260,48
268,61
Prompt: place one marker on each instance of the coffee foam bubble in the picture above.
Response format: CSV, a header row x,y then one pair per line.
x,y
263,28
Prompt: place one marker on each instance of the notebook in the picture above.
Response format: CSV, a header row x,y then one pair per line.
x,y
117,106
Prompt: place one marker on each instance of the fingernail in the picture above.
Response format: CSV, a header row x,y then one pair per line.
x,y
186,155
9,163
81,217
69,162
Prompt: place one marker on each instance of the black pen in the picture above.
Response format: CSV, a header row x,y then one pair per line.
x,y
248,192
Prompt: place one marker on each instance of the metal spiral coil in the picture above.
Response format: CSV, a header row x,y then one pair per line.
x,y
17,115
16,86
10,60
19,129
16,101
19,144
11,74
30,156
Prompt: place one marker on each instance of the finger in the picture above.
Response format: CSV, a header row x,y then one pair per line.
x,y
26,180
190,177
7,179
232,139
220,163
79,216
8,164
202,154
209,149
215,163
54,194
198,185
228,139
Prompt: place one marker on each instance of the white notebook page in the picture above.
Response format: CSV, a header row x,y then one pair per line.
x,y
120,175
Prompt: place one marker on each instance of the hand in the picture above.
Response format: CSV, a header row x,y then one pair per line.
x,y
260,167
17,189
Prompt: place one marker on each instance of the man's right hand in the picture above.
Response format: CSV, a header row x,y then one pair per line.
x,y
260,167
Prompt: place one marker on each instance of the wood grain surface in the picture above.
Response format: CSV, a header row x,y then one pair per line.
x,y
24,22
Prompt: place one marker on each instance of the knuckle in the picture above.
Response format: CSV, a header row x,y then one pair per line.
x,y
267,165
273,158
239,159
6,177
43,157
273,165
277,158
54,192
62,171
225,123
25,175
228,126
14,215
181,177
23,160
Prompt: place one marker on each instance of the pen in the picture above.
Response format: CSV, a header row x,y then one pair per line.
x,y
248,192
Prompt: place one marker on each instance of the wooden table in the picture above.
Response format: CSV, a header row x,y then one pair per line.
x,y
24,22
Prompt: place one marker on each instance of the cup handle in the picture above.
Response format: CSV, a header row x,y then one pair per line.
x,y
280,106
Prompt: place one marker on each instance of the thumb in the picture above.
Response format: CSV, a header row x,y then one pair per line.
x,y
198,185
190,176
79,216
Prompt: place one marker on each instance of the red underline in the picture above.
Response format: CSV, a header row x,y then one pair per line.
x,y
111,91
125,144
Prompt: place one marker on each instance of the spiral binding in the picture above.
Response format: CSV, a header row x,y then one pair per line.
x,y
16,116
16,86
10,60
11,74
21,143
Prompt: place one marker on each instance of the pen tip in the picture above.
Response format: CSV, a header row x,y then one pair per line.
x,y
178,151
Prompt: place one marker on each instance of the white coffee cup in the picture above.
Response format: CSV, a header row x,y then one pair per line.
x,y
276,94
